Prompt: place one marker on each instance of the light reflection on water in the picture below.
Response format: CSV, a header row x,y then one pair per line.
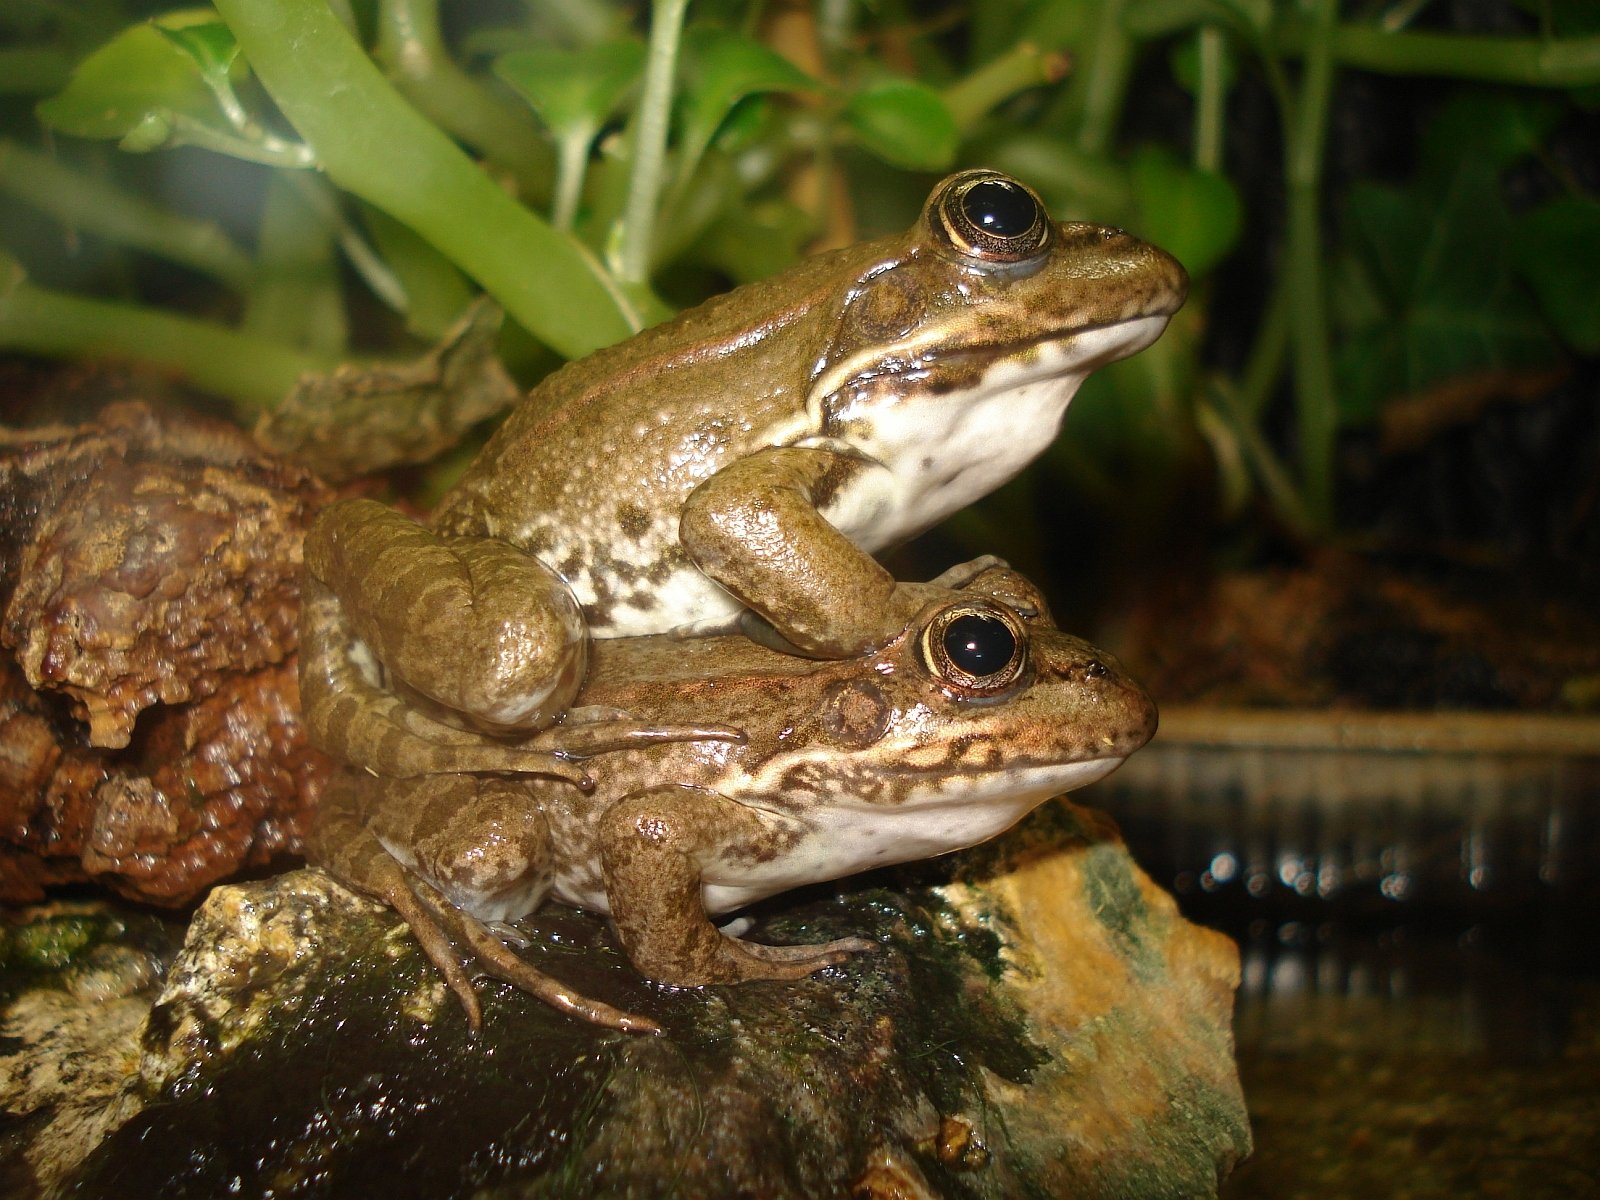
x,y
1419,1007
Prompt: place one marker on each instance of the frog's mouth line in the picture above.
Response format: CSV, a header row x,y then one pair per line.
x,y
1144,330
968,365
935,788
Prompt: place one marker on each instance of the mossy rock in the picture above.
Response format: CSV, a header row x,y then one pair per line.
x,y
1038,1022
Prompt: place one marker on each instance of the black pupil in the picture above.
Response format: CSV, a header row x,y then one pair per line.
x,y
999,207
979,645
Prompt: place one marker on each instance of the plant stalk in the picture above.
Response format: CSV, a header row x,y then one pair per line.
x,y
412,50
97,206
375,145
650,142
251,371
1316,405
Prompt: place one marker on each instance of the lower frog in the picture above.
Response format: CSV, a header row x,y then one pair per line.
x,y
940,739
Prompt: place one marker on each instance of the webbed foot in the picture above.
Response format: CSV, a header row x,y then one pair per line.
x,y
343,843
499,961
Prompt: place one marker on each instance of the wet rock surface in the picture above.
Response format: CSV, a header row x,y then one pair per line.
x,y
1039,1021
149,731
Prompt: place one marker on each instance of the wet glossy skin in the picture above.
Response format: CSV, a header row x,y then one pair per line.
x,y
747,457
941,739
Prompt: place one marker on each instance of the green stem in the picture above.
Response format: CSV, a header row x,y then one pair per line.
x,y
375,145
1210,102
411,50
1315,402
84,202
1102,80
296,298
650,141
1564,63
1533,62
251,371
1274,479
1267,354
572,163
436,292
366,261
1018,69
180,129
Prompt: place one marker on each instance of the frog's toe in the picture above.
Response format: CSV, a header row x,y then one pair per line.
x,y
432,919
833,952
498,960
589,731
761,961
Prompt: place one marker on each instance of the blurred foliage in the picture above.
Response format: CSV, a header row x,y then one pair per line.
x,y
593,167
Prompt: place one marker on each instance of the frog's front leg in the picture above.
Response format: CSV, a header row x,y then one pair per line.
x,y
656,848
757,528
464,850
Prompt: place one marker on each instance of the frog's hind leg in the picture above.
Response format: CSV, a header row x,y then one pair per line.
x,y
497,959
473,623
423,653
350,715
342,845
471,843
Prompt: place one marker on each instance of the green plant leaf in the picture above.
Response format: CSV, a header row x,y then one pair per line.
x,y
1427,289
1556,248
904,123
1192,214
753,241
577,89
141,75
1495,127
721,68
209,43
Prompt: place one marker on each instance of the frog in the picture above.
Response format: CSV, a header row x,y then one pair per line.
x,y
736,467
946,735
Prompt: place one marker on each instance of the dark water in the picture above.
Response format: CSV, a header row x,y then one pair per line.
x,y
1420,1008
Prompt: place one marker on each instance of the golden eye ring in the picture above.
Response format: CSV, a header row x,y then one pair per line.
x,y
990,217
978,649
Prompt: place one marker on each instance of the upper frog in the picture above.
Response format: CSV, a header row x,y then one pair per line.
x,y
749,455
942,738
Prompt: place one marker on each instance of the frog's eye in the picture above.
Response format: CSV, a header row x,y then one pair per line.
x,y
977,648
990,216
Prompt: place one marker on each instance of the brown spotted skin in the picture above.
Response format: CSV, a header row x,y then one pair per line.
x,y
748,456
839,766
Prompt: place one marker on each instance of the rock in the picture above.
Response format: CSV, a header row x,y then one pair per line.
x,y
150,736
1040,1021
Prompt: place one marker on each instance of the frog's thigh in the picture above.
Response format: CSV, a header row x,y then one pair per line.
x,y
483,842
755,528
654,845
471,622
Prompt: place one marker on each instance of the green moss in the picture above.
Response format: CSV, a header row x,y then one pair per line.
x,y
51,943
1113,896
